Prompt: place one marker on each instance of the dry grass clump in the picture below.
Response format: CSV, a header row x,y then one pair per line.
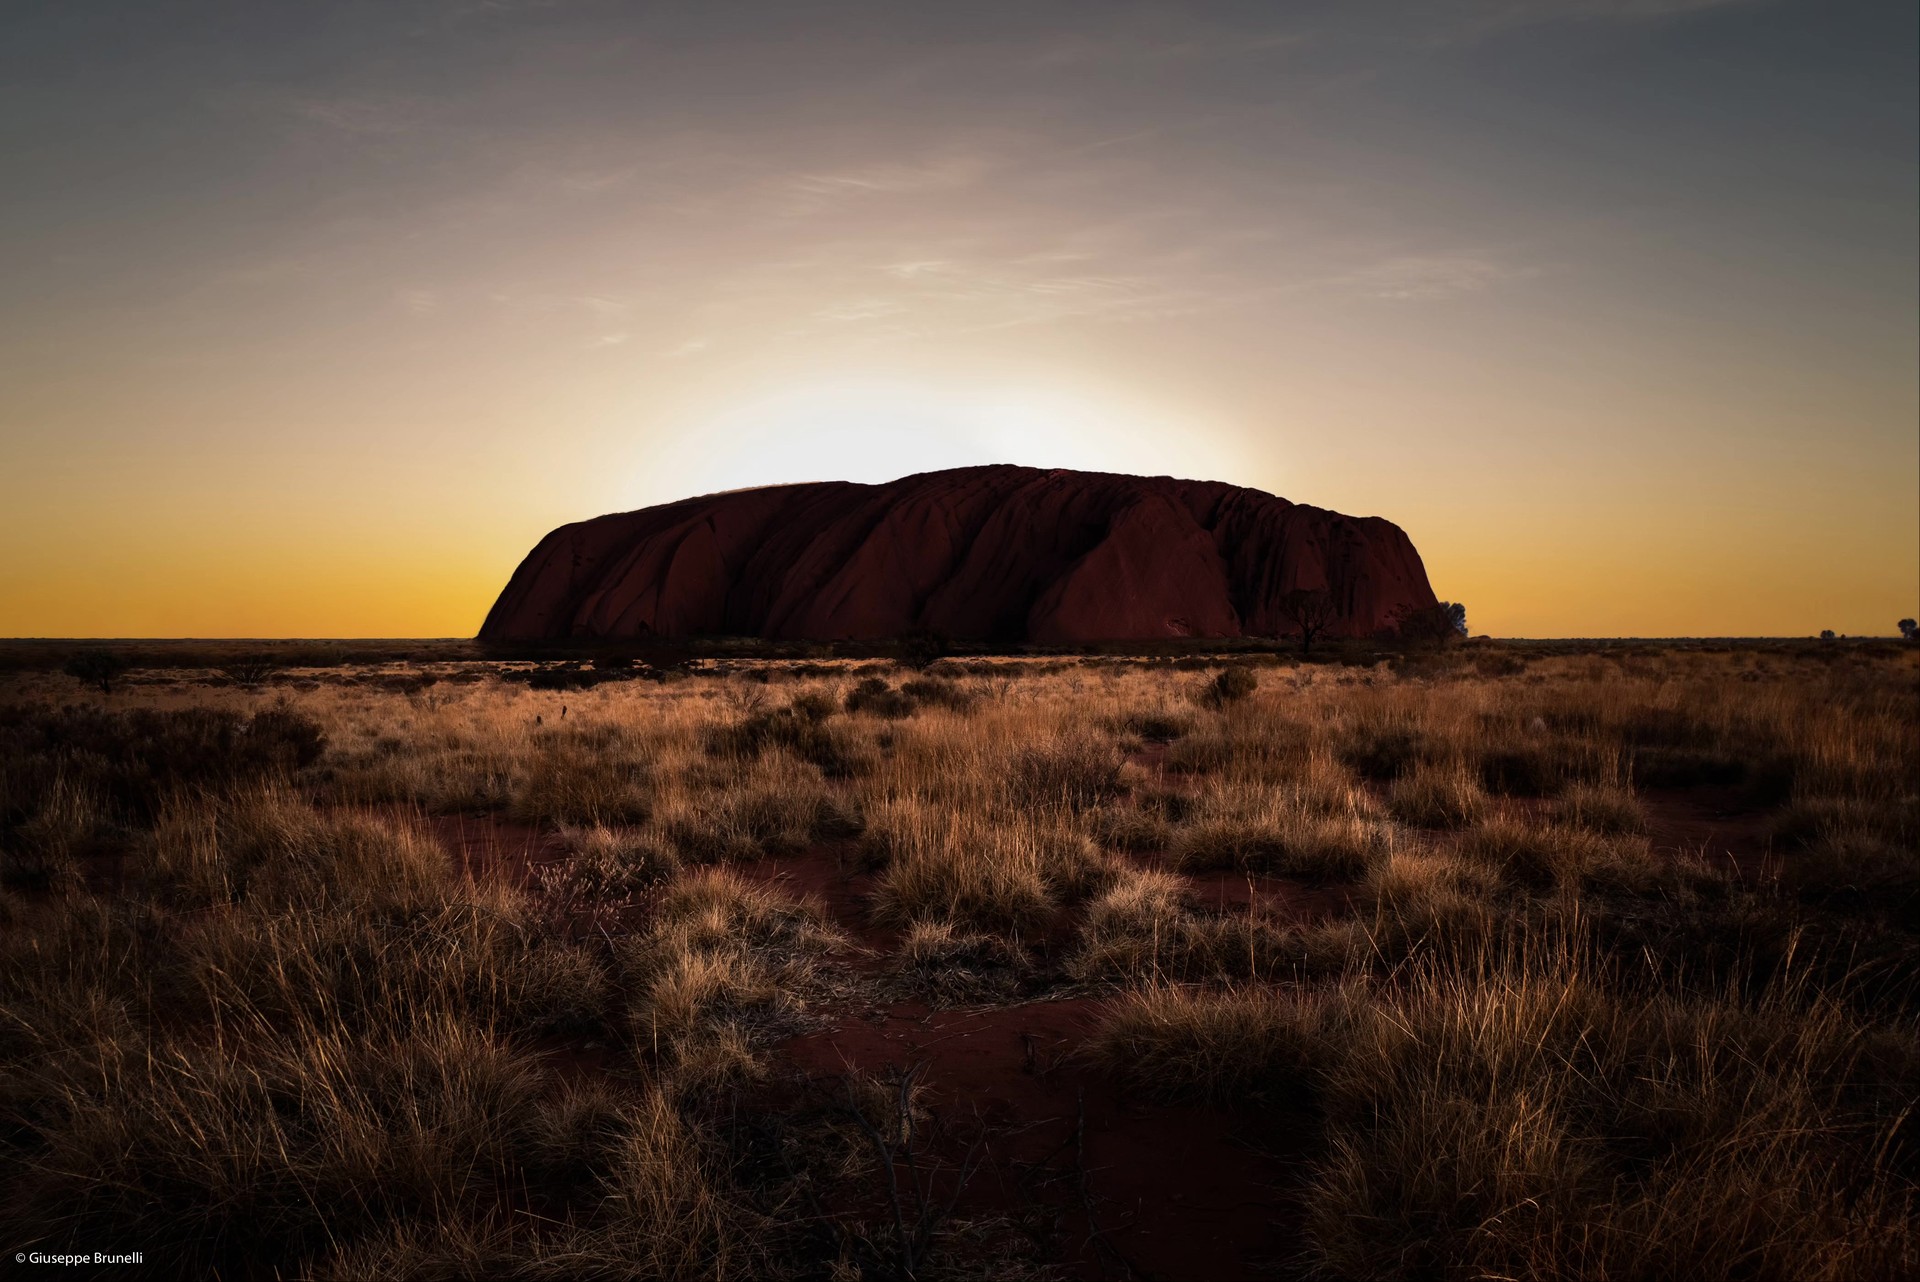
x,y
259,1086
222,1162
1437,796
875,697
773,808
1538,857
958,869
1414,876
801,728
587,773
1858,871
1528,1122
1529,855
1129,828
948,966
1317,828
725,964
1071,775
1527,1117
1238,1046
1131,929
275,851
1161,724
1602,808
615,863
1289,842
1144,928
1522,770
1383,752
474,958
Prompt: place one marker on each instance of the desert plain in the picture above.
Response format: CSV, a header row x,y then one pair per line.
x,y
1489,959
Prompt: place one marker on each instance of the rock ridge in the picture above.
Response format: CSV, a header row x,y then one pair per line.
x,y
998,553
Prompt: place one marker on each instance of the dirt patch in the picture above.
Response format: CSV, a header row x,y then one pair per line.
x,y
1134,1189
1716,825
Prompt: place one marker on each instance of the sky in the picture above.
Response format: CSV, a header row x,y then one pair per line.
x,y
315,317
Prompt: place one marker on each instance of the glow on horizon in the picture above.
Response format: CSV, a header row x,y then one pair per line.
x,y
874,429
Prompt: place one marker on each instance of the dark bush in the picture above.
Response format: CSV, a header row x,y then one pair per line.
x,y
921,647
97,668
938,692
134,761
1230,685
561,678
801,729
875,696
1155,727
1382,755
814,705
1521,772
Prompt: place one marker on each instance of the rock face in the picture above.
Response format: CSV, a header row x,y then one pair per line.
x,y
1001,553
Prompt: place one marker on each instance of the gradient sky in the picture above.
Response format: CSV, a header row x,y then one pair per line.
x,y
315,316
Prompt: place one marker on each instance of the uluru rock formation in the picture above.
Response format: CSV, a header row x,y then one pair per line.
x,y
1000,553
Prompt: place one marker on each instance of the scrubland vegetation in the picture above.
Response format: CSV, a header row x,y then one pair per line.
x,y
1588,965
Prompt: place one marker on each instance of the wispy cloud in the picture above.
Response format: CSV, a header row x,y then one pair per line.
x,y
602,306
809,193
373,115
1424,277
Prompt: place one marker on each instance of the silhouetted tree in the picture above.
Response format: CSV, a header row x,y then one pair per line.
x,y
1438,624
1826,634
1910,630
96,668
1311,610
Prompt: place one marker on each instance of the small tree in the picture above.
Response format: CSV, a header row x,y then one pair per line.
x,y
1311,610
1456,615
1826,634
1910,630
921,647
96,668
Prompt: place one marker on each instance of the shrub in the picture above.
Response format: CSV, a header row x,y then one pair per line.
x,y
1229,686
134,762
1154,725
874,696
937,692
